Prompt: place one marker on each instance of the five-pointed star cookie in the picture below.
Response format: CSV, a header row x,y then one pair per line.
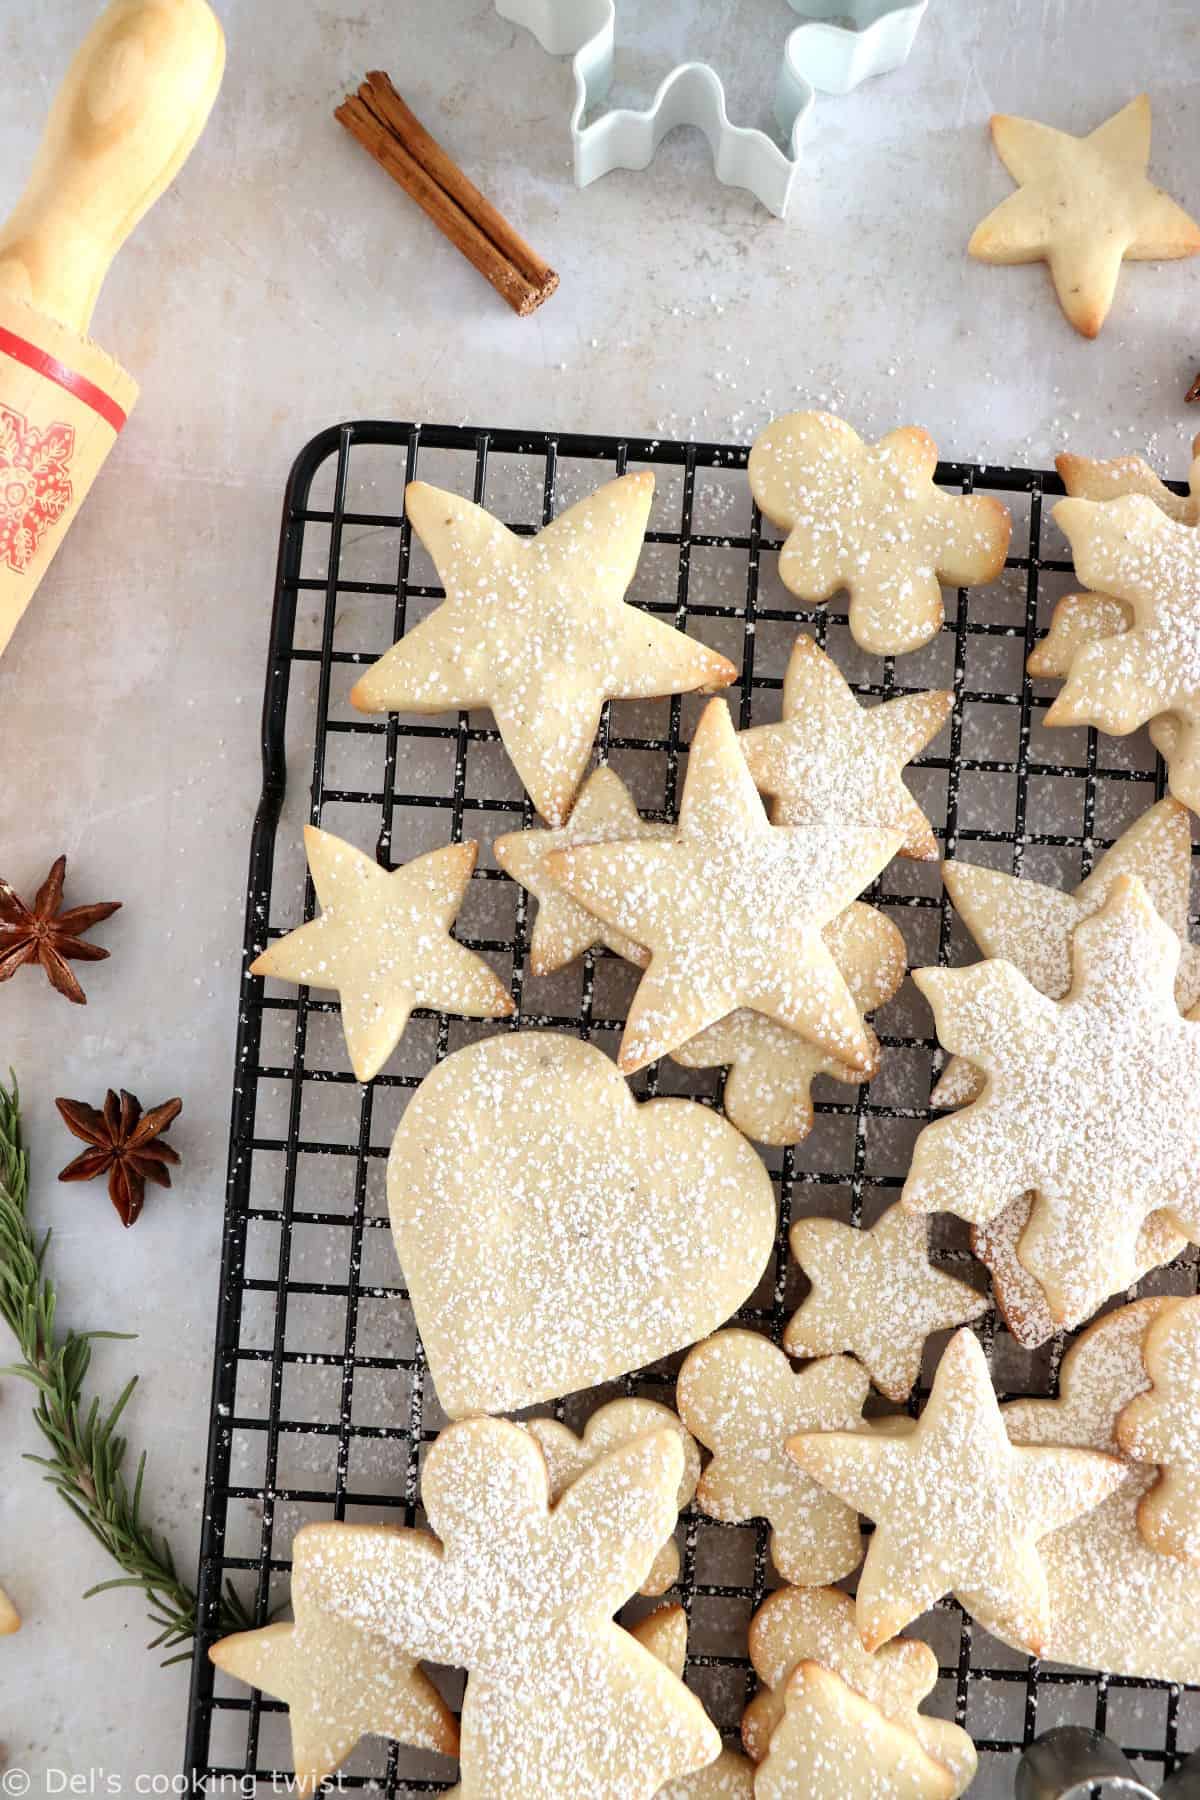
x,y
383,941
538,629
768,1089
876,1294
603,814
868,518
834,758
831,1744
957,1508
1089,1103
1083,206
10,1618
731,909
1163,1427
340,1683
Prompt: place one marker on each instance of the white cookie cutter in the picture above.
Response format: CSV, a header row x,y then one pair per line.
x,y
818,56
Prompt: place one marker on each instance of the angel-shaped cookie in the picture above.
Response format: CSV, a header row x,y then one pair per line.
x,y
1163,1427
868,518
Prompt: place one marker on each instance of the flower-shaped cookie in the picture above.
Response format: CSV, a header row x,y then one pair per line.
x,y
831,1744
868,518
1163,1427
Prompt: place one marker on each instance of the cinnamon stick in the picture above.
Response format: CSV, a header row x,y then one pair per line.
x,y
382,123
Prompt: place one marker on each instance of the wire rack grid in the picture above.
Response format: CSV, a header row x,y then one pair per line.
x,y
322,1406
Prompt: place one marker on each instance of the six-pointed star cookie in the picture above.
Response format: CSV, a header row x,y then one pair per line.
x,y
1082,206
1163,1427
731,909
831,1744
1089,1102
538,629
383,941
833,758
868,518
957,1508
876,1294
603,814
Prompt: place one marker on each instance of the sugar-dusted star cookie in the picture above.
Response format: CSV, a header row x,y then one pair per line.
x,y
957,1508
795,1625
10,1618
603,814
1163,1427
831,1744
731,909
1084,205
538,629
340,1681
383,941
567,1456
730,1777
868,518
741,1397
1089,1103
768,1088
831,757
876,1294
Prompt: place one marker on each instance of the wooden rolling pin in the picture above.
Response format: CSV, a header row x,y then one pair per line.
x,y
134,102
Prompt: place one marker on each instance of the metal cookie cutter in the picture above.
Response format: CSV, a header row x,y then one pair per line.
x,y
819,56
1071,1762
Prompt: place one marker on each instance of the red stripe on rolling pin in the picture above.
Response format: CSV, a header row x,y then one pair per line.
x,y
22,351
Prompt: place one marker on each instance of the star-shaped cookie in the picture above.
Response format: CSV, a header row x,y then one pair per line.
x,y
957,1508
340,1683
383,942
731,909
831,1744
10,1618
834,758
868,518
1083,206
1163,1427
538,629
876,1294
603,814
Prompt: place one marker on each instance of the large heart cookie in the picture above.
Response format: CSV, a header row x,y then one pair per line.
x,y
553,1233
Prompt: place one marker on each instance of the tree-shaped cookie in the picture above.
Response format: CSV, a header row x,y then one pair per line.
x,y
341,1682
1084,205
768,1089
795,1625
609,1427
1089,1103
538,629
560,1701
831,757
876,1294
1163,1427
957,1507
741,1397
383,941
868,518
831,1744
731,909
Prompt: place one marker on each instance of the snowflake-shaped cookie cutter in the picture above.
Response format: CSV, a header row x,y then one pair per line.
x,y
819,56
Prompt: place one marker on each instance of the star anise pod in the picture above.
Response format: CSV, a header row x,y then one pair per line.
x,y
41,933
125,1145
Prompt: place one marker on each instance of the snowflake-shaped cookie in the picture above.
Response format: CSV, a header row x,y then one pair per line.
x,y
1163,1427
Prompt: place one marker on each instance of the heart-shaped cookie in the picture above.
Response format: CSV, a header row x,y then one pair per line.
x,y
555,1234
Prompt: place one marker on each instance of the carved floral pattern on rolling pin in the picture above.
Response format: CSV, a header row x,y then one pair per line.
x,y
35,487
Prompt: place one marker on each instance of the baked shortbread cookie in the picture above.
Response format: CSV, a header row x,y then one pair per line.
x,y
603,814
553,1233
1084,205
831,757
538,629
731,908
1089,1103
795,1625
1163,1427
741,1397
341,1680
731,1777
831,1744
768,1088
957,1507
10,1618
876,1294
868,518
383,942
567,1456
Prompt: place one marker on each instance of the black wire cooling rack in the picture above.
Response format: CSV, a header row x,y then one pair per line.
x,y
321,1402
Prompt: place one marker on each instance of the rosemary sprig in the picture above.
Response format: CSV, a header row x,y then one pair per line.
x,y
86,1463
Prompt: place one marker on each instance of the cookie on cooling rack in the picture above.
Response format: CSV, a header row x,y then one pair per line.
x,y
831,1744
538,630
1163,1427
731,1777
868,518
